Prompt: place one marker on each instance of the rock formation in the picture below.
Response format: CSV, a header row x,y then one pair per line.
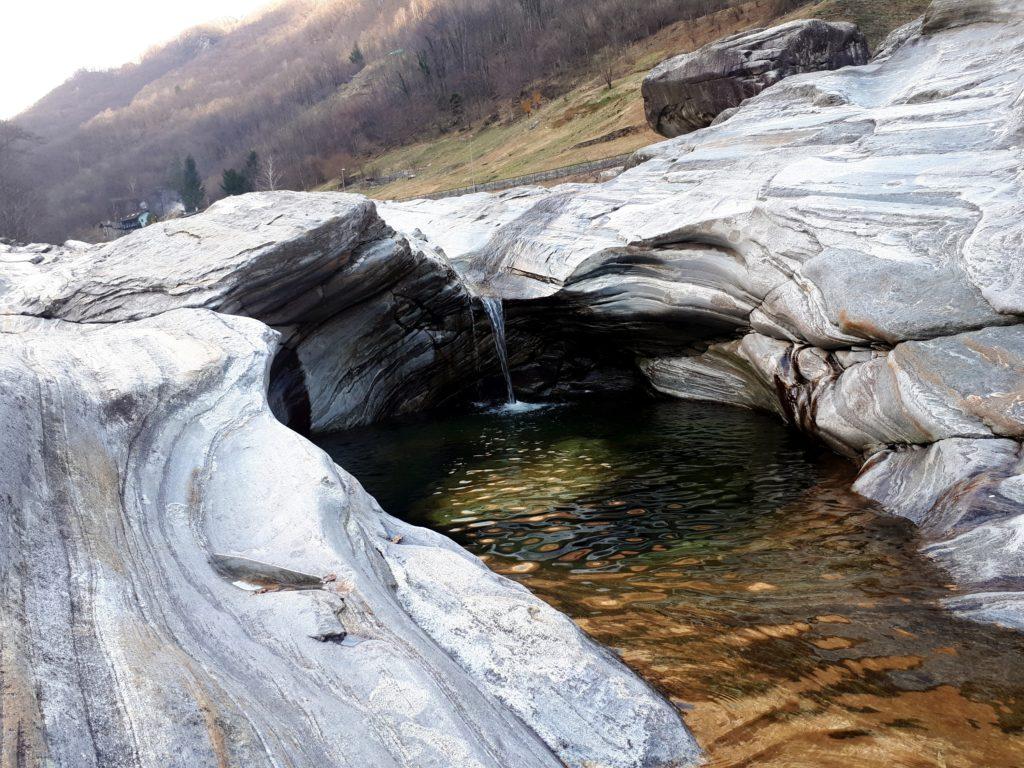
x,y
689,91
187,582
375,327
846,250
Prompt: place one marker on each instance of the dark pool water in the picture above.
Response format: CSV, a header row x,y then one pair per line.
x,y
724,558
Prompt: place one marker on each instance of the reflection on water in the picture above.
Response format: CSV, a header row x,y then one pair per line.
x,y
727,562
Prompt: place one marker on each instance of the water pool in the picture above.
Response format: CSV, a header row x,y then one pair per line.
x,y
724,558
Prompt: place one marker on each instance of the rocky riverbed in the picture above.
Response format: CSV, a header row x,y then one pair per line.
x,y
189,582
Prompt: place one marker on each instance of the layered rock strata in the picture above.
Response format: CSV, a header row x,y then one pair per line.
x,y
847,249
372,326
187,582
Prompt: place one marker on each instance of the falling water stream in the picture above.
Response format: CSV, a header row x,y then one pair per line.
x,y
496,315
725,559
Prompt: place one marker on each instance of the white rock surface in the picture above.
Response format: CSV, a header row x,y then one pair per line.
x,y
376,327
870,205
845,249
148,488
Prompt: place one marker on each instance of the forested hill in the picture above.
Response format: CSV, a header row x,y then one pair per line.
x,y
316,85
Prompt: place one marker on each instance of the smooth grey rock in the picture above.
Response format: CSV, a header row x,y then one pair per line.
x,y
147,484
968,385
897,39
947,14
966,496
1005,609
374,327
687,92
865,206
844,250
742,373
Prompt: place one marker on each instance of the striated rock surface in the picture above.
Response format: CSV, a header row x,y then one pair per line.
x,y
847,250
689,91
372,327
188,582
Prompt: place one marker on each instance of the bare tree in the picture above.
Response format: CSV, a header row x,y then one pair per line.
x,y
291,80
270,173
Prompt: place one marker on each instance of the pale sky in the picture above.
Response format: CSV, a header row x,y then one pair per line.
x,y
43,42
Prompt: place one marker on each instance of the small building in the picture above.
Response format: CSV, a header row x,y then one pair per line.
x,y
132,221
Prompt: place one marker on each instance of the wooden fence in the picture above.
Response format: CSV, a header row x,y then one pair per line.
x,y
565,171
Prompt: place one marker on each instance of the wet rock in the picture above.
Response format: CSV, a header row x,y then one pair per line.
x,y
920,392
687,92
967,496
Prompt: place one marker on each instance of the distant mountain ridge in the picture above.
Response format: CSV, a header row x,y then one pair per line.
x,y
88,93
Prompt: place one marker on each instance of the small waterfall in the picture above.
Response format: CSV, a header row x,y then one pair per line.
x,y
476,346
496,314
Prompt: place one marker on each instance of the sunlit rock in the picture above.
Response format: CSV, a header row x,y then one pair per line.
x,y
371,326
845,250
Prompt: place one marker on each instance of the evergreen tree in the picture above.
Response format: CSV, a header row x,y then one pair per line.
x,y
239,182
234,183
252,170
356,57
191,187
175,174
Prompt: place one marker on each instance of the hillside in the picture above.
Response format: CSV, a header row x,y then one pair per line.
x,y
589,121
453,91
592,121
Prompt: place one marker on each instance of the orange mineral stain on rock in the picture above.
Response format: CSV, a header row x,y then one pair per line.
x,y
882,663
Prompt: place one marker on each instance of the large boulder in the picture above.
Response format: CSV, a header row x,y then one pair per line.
x,y
187,582
689,91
